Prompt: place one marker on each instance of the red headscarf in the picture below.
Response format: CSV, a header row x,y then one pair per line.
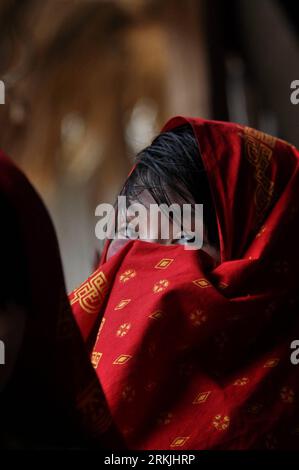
x,y
53,397
196,357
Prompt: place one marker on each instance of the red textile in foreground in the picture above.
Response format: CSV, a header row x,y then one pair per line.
x,y
53,394
192,356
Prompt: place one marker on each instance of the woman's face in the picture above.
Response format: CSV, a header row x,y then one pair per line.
x,y
155,233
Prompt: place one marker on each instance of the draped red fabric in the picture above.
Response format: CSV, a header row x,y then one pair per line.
x,y
192,356
53,397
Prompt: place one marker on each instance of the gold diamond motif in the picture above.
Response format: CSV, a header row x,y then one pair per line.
x,y
201,397
122,304
222,285
156,315
201,283
122,359
179,441
164,263
272,362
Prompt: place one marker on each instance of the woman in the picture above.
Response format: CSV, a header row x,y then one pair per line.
x,y
49,394
192,347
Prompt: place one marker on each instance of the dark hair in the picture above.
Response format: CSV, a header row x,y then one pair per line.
x,y
173,162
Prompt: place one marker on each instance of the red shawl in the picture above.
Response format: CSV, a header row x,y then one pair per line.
x,y
196,357
53,397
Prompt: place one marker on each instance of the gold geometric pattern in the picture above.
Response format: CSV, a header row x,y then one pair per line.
x,y
241,382
156,315
123,329
127,275
179,441
160,286
95,358
272,362
198,317
122,359
287,395
164,263
201,398
259,151
221,423
93,408
90,294
122,304
201,283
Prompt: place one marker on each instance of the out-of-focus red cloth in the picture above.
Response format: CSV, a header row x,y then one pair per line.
x,y
193,356
53,398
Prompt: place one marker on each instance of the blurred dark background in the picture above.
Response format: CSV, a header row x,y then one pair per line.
x,y
89,82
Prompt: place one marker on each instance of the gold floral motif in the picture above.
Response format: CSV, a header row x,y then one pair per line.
x,y
127,275
287,395
241,382
165,418
221,423
198,317
160,286
123,329
128,393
